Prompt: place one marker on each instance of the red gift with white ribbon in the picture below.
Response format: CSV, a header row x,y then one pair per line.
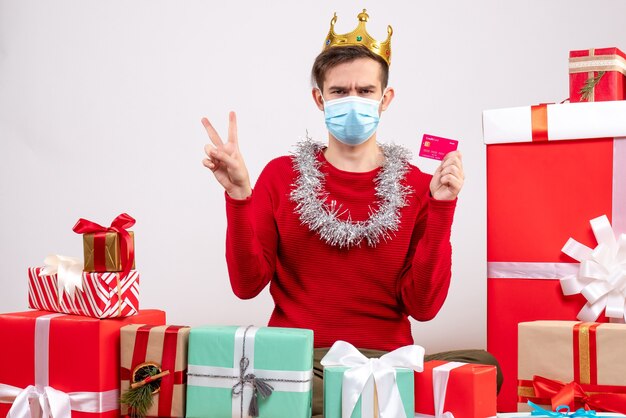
x,y
550,170
62,366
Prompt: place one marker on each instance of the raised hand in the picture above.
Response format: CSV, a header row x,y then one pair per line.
x,y
448,178
225,160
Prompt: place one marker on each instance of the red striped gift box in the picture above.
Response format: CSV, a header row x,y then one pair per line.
x,y
103,295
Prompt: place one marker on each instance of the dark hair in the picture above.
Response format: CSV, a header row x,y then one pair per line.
x,y
336,55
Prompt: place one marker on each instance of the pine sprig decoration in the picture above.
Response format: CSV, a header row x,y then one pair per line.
x,y
587,90
139,397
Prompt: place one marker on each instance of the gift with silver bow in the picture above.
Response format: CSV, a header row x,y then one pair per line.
x,y
248,371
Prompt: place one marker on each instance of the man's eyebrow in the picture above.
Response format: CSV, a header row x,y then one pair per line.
x,y
337,87
370,87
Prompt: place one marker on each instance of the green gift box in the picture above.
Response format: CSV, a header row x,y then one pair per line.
x,y
359,387
333,383
232,369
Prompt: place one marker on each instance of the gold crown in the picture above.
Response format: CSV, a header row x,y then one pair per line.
x,y
359,36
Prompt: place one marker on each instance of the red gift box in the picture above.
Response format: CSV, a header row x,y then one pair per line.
x,y
465,390
603,69
541,192
61,360
103,295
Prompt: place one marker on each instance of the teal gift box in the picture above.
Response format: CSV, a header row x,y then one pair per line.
x,y
231,368
333,383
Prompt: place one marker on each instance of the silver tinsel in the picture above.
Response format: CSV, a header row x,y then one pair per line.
x,y
310,197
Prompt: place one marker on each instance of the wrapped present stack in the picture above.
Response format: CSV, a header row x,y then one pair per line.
x,y
556,213
106,286
88,351
63,358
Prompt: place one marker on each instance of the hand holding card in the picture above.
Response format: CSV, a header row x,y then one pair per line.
x,y
436,147
449,177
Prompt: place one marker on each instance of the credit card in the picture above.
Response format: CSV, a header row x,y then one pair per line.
x,y
436,147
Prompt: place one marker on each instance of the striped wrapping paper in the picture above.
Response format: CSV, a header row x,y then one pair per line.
x,y
103,295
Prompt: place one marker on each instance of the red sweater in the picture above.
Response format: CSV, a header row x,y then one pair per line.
x,y
362,294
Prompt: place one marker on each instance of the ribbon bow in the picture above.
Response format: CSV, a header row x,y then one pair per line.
x,y
69,271
560,411
572,394
601,278
49,402
382,369
259,387
119,225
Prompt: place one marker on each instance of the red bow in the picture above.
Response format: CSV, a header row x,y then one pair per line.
x,y
573,395
119,225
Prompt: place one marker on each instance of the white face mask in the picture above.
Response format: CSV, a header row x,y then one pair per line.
x,y
353,119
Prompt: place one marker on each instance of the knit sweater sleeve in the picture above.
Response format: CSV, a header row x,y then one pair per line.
x,y
251,239
425,282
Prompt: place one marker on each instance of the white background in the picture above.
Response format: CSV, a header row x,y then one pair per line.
x,y
100,107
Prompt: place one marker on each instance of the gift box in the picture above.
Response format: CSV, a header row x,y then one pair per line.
x,y
597,75
236,371
550,170
150,350
528,414
368,401
99,295
577,364
462,389
108,248
358,387
67,363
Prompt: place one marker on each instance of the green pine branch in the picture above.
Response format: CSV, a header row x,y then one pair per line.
x,y
140,399
587,90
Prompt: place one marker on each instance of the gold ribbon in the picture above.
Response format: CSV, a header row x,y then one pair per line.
x,y
584,358
597,63
119,295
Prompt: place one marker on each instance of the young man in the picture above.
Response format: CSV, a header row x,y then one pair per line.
x,y
351,237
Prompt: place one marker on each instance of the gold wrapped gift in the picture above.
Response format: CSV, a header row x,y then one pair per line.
x,y
102,251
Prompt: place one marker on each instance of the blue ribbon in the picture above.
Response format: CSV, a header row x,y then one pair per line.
x,y
561,411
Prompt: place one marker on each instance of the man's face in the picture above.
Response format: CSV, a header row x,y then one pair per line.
x,y
360,77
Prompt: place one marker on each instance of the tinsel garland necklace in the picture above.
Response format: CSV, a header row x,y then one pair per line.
x,y
322,218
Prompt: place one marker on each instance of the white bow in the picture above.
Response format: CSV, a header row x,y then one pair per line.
x,y
45,402
601,278
382,369
69,271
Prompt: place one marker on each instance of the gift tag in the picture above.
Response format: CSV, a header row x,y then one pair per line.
x,y
436,147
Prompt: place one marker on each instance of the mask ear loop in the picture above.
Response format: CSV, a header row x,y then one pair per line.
x,y
383,96
322,96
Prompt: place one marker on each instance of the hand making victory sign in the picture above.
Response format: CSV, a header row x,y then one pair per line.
x,y
448,179
225,160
